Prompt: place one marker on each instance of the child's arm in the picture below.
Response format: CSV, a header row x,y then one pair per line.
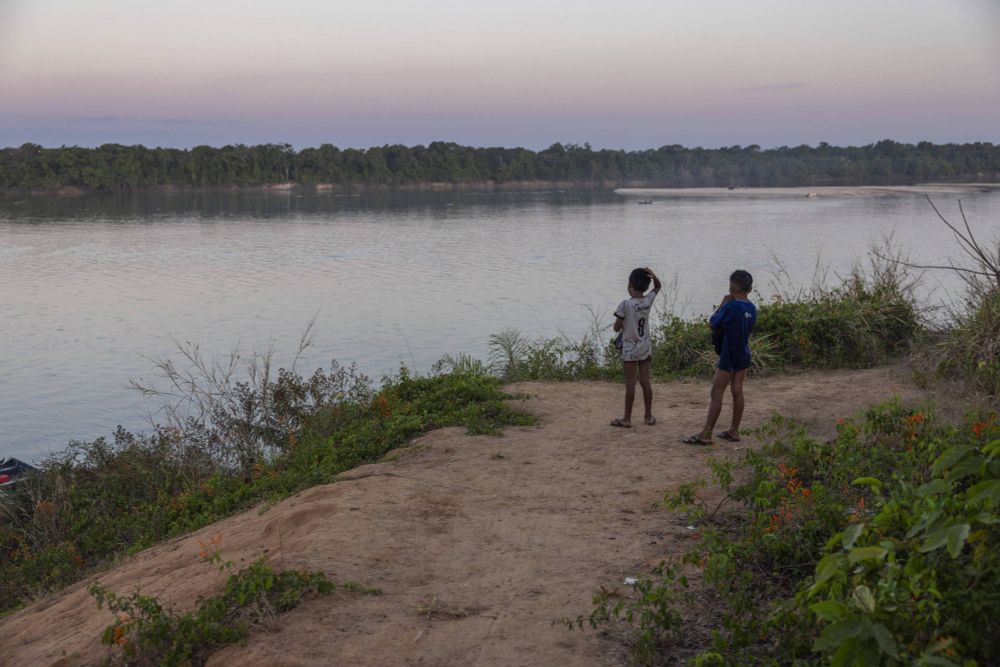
x,y
619,317
718,318
656,281
619,323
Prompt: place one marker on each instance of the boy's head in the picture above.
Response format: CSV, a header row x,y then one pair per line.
x,y
741,282
638,280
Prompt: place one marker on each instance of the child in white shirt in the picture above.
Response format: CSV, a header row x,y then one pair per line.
x,y
632,320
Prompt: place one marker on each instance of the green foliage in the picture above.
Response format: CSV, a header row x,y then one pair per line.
x,y
114,168
100,500
860,323
880,547
917,581
652,610
146,633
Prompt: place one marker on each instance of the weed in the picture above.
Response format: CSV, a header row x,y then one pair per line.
x,y
147,633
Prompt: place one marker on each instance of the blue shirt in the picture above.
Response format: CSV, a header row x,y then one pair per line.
x,y
736,319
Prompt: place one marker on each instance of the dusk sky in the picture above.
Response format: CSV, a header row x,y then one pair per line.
x,y
630,74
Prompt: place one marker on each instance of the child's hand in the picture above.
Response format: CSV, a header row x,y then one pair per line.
x,y
726,299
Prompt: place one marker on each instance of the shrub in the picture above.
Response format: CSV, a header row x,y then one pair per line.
x,y
880,547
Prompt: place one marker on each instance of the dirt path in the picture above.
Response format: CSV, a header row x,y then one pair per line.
x,y
502,536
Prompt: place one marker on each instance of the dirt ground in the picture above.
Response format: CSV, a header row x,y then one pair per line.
x,y
480,544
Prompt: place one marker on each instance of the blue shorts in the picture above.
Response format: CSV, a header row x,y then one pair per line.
x,y
728,364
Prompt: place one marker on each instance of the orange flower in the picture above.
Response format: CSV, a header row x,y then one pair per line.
x,y
917,418
979,428
786,471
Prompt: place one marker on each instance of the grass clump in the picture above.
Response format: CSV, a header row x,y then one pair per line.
x,y
878,548
970,346
145,632
98,501
970,349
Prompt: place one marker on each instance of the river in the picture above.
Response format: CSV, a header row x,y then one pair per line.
x,y
95,287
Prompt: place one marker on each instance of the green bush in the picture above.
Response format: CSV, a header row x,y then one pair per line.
x,y
880,547
858,324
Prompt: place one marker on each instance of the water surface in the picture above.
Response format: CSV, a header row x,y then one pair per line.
x,y
95,286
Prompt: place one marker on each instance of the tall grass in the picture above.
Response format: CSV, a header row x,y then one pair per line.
x,y
968,347
870,316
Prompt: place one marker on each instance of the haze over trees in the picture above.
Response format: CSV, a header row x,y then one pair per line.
x,y
116,168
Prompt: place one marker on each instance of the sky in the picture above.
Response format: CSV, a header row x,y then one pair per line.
x,y
630,74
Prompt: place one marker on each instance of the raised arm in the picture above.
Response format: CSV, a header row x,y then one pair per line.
x,y
656,281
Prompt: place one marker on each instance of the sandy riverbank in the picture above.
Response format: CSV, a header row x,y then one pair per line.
x,y
830,191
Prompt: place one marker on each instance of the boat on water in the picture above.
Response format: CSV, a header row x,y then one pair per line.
x,y
11,469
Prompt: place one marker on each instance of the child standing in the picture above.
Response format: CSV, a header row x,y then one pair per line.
x,y
632,320
734,318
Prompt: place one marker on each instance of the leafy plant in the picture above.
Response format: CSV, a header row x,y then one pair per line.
x,y
147,633
879,547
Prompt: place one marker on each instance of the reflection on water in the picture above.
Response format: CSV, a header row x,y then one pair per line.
x,y
92,285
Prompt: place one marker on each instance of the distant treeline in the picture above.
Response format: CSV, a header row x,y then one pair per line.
x,y
113,167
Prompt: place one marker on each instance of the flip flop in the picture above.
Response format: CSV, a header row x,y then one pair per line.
x,y
697,440
724,435
620,424
651,421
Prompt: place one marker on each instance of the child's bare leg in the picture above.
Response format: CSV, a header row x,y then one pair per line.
x,y
715,406
737,390
647,391
630,377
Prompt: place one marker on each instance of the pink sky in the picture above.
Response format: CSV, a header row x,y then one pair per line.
x,y
635,74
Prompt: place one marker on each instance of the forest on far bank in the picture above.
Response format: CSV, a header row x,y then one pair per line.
x,y
116,168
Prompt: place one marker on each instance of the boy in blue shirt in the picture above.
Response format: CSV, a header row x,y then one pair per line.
x,y
734,319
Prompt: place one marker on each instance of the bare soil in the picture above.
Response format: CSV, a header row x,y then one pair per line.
x,y
480,544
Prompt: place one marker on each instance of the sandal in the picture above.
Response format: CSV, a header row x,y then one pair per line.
x,y
651,421
725,435
620,424
697,440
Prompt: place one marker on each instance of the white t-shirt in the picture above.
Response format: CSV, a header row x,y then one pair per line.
x,y
634,314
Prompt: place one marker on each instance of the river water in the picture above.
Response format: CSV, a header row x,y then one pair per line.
x,y
95,287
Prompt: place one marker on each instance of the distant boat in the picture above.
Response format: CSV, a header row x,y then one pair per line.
x,y
646,201
11,469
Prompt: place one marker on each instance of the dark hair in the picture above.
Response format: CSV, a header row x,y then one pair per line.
x,y
742,279
639,279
